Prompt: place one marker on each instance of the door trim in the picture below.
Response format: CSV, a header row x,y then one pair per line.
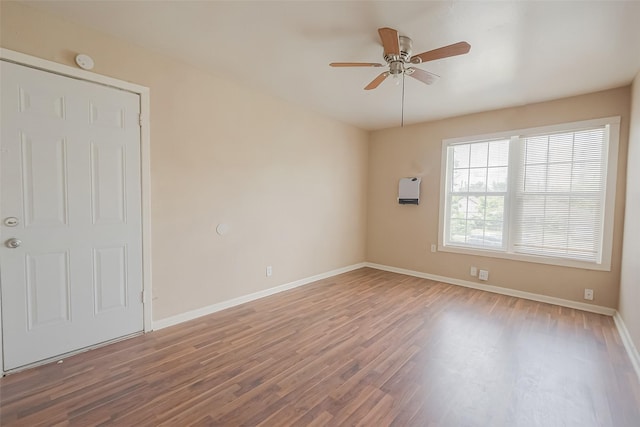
x,y
145,159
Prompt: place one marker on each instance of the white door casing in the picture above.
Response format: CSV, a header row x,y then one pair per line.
x,y
71,176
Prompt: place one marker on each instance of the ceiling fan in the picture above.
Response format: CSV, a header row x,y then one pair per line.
x,y
397,54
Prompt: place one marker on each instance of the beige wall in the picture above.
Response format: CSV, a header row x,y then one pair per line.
x,y
400,236
291,184
629,305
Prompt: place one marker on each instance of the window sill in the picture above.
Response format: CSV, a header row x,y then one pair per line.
x,y
604,266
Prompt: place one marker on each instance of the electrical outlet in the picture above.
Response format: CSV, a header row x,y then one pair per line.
x,y
473,271
433,247
588,294
269,271
484,275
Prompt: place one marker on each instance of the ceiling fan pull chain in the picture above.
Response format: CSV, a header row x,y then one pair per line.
x,y
402,108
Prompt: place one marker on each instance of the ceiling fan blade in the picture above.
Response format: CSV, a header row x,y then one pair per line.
x,y
422,75
376,82
389,38
455,49
355,64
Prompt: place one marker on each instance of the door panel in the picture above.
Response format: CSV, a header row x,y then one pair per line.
x,y
43,103
70,173
44,178
108,181
48,289
110,279
107,115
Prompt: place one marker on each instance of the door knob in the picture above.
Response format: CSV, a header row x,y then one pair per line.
x,y
13,243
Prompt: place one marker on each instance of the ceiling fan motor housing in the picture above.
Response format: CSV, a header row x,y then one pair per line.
x,y
405,51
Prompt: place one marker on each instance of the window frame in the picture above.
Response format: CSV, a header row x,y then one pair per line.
x,y
611,162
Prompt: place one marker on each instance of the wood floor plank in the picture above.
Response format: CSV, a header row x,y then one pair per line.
x,y
364,348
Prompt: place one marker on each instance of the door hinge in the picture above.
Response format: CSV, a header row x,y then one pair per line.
x,y
140,119
142,297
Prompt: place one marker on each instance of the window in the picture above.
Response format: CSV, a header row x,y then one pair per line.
x,y
542,195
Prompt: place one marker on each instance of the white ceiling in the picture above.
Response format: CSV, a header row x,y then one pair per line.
x,y
521,51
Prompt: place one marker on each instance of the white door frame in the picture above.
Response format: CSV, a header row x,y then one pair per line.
x,y
145,158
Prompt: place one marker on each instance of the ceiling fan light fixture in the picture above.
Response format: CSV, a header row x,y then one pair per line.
x,y
396,68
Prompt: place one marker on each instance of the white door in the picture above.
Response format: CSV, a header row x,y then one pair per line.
x,y
71,194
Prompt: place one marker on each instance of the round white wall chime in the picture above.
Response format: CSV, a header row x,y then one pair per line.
x,y
84,61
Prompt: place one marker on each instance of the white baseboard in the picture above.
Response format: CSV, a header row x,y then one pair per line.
x,y
194,314
632,351
499,290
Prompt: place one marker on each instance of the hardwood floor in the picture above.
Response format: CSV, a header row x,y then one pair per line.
x,y
367,348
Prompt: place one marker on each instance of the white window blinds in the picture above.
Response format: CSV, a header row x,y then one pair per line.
x,y
544,194
560,195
